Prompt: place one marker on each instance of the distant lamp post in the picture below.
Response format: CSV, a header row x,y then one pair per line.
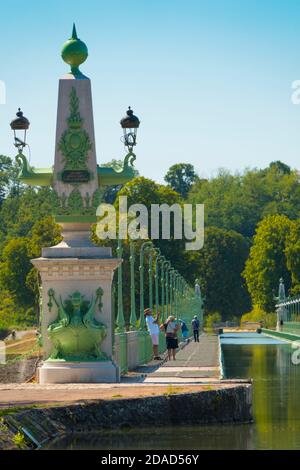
x,y
130,124
20,125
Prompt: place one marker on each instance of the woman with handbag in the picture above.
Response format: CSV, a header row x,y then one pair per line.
x,y
170,327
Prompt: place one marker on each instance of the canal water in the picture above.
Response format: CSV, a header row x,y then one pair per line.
x,y
276,406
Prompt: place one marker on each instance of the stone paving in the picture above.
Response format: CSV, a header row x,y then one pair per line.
x,y
194,361
196,366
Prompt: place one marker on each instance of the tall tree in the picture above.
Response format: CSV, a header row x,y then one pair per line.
x,y
267,261
238,202
219,266
181,177
292,252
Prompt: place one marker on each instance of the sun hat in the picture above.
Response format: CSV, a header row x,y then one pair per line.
x,y
147,311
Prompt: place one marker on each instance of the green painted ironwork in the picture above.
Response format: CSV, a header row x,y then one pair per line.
x,y
172,294
133,319
150,272
108,176
145,245
120,322
162,260
167,265
156,277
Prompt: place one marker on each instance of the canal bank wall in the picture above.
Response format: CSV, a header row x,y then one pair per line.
x,y
281,335
231,404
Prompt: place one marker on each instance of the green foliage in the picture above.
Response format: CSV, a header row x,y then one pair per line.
x,y
23,236
238,202
219,266
267,261
257,314
3,425
8,178
234,206
145,191
292,252
211,319
181,177
14,269
19,440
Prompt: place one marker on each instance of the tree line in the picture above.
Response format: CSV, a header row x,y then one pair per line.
x,y
252,233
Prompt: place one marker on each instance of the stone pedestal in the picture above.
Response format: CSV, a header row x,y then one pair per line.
x,y
57,372
65,276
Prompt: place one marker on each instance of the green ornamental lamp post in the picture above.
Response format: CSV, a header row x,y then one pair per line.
x,y
167,266
171,290
145,245
175,277
120,317
133,319
157,251
150,273
162,260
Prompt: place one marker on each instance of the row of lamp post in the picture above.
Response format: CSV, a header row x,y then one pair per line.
x,y
170,287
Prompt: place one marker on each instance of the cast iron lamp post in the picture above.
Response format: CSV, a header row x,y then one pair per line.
x,y
129,124
133,318
156,277
162,260
167,265
20,125
120,323
145,245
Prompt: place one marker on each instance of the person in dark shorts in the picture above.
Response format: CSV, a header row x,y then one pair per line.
x,y
171,327
195,326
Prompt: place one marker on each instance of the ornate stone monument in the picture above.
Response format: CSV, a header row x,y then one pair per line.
x,y
76,317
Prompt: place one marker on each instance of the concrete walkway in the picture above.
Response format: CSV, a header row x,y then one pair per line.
x,y
196,362
196,367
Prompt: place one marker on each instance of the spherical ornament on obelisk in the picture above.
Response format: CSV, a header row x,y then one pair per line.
x,y
74,52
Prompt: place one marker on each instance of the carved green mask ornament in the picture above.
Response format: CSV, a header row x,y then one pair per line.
x,y
75,334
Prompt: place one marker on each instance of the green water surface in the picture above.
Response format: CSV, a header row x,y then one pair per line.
x,y
276,409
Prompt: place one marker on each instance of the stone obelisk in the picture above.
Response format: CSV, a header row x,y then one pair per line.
x,y
76,319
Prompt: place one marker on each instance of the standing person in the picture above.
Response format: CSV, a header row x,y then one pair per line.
x,y
184,329
195,326
153,328
170,328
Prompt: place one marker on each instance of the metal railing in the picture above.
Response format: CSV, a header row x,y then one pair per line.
x,y
168,293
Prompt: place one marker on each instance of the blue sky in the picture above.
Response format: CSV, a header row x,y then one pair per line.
x,y
209,80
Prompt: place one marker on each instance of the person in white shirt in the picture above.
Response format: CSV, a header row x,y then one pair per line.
x,y
153,328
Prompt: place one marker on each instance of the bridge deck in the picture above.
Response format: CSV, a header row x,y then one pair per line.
x,y
194,361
